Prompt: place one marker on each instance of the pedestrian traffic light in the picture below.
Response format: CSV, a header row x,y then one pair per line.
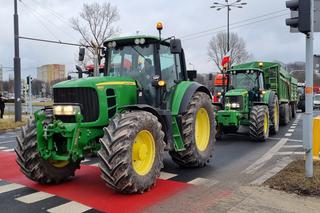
x,y
300,15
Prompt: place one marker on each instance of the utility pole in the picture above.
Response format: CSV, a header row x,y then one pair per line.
x,y
17,66
29,83
302,20
309,97
228,5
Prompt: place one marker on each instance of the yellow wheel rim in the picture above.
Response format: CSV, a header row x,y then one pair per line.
x,y
58,163
143,152
276,115
202,129
265,125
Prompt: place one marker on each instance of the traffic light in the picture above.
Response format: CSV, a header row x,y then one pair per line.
x,y
300,15
29,79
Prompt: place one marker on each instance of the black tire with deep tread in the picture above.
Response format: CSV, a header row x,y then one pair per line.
x,y
256,128
33,166
284,114
274,128
116,152
191,156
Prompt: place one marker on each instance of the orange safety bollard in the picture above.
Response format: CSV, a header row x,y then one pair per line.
x,y
316,138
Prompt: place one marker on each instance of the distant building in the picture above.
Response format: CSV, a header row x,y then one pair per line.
x,y
51,72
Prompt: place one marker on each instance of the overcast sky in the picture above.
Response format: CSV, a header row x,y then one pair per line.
x,y
267,40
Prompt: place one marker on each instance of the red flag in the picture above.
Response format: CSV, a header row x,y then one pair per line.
x,y
226,59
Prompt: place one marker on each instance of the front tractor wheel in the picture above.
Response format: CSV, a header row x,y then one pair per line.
x,y
198,133
259,123
35,167
131,152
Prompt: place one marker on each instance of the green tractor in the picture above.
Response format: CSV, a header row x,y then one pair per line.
x,y
260,95
142,103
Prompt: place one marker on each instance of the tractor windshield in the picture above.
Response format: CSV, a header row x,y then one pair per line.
x,y
135,61
248,80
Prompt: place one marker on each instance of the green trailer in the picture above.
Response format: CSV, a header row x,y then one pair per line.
x,y
143,103
260,95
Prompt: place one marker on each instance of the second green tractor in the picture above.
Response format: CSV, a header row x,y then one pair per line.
x,y
260,95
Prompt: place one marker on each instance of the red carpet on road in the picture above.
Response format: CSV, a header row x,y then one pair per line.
x,y
89,189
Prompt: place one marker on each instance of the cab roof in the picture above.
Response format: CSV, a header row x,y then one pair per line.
x,y
129,39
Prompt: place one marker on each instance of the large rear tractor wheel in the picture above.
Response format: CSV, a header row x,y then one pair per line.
x,y
259,123
274,115
284,114
35,167
294,110
131,152
198,133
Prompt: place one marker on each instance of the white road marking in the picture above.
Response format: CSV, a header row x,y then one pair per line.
x,y
290,130
166,175
10,141
290,153
288,135
85,160
34,197
292,146
94,164
10,187
278,167
293,127
261,161
203,181
2,147
8,150
294,124
71,206
294,140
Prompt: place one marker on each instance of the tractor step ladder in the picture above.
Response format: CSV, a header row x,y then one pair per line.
x,y
178,142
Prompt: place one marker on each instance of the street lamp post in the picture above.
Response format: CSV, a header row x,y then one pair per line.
x,y
219,6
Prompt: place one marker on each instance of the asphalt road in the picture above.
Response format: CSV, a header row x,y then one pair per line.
x,y
236,161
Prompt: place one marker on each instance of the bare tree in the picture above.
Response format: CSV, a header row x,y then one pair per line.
x,y
218,48
96,23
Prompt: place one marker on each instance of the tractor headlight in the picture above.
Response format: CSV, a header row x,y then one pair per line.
x,y
65,109
235,105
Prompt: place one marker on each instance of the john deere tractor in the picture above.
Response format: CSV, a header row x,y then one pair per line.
x,y
260,95
142,103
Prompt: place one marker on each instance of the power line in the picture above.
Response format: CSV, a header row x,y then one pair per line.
x,y
39,20
234,23
54,42
41,17
234,27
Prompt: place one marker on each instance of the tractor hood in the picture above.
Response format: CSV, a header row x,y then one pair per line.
x,y
96,82
237,92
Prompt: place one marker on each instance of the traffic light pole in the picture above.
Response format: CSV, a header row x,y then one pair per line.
x,y
307,135
30,96
17,66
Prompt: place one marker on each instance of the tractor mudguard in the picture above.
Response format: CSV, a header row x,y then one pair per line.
x,y
183,94
164,117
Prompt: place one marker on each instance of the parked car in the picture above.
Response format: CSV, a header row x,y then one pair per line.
x,y
316,101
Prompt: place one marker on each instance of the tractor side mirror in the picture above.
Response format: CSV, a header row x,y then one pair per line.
x,y
268,86
175,46
192,74
210,76
82,52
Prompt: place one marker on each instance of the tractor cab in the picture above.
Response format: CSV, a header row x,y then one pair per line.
x,y
157,66
249,80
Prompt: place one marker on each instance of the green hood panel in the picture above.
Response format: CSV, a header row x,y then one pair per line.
x,y
237,92
96,81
